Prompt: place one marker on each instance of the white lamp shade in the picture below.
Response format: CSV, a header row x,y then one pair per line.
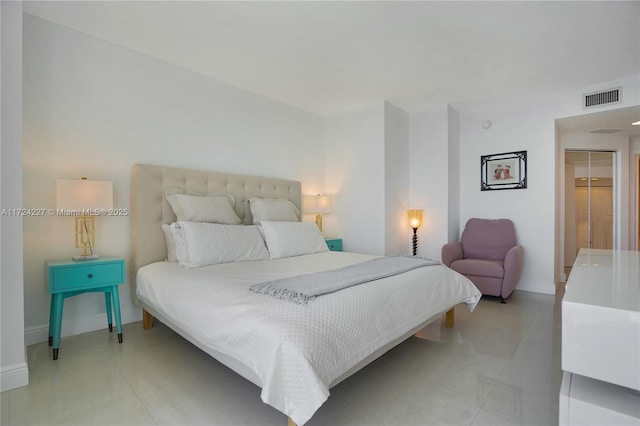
x,y
318,204
83,195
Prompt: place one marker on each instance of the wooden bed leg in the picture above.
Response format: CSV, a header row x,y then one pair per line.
x,y
448,318
290,422
147,320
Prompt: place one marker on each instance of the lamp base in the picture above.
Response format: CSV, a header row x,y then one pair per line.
x,y
87,257
319,221
415,241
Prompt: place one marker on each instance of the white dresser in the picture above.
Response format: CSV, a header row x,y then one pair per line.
x,y
601,340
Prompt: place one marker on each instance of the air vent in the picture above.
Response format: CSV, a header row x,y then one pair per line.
x,y
607,97
606,131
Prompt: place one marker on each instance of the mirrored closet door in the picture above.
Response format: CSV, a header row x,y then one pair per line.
x,y
589,207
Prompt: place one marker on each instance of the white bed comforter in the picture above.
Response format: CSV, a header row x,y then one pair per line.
x,y
296,352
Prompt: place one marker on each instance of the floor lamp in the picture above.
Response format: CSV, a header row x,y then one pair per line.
x,y
415,220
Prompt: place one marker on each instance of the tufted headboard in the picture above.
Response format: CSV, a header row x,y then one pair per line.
x,y
150,209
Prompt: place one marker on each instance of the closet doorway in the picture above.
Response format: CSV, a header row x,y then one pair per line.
x,y
589,202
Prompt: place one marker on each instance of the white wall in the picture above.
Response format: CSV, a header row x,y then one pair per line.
x,y
524,124
367,167
13,366
516,127
354,152
453,181
430,170
396,141
94,109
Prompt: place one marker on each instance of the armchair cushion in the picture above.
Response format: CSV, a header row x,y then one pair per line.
x,y
488,239
479,267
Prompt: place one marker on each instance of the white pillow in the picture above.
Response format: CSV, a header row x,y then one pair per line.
x,y
178,241
214,243
273,209
203,208
286,239
171,246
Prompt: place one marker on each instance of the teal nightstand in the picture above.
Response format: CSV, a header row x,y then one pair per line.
x,y
67,278
334,244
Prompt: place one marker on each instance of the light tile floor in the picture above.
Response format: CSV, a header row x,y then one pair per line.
x,y
500,365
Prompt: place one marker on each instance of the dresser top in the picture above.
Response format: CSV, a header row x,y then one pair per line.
x,y
101,259
605,278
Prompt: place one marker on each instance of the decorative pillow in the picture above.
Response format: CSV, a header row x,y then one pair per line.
x,y
203,208
286,239
214,243
171,246
273,209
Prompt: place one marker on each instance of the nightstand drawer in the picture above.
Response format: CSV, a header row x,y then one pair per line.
x,y
334,244
65,278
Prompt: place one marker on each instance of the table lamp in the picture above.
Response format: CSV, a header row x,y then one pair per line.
x,y
415,220
318,205
84,199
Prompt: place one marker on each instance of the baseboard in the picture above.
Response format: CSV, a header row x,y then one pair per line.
x,y
71,327
14,376
539,288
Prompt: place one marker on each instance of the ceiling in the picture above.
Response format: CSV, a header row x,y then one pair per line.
x,y
616,122
328,57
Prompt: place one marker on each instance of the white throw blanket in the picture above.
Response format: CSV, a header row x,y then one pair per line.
x,y
302,288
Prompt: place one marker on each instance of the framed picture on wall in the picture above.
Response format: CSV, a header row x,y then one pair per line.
x,y
503,171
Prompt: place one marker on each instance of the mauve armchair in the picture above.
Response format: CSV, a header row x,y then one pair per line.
x,y
489,255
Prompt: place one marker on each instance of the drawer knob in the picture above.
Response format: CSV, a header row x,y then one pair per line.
x,y
89,275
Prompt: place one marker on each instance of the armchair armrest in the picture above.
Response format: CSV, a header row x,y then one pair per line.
x,y
451,252
513,262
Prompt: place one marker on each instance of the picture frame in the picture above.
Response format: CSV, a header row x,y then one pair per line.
x,y
507,170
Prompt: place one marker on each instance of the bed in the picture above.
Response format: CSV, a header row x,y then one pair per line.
x,y
295,352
